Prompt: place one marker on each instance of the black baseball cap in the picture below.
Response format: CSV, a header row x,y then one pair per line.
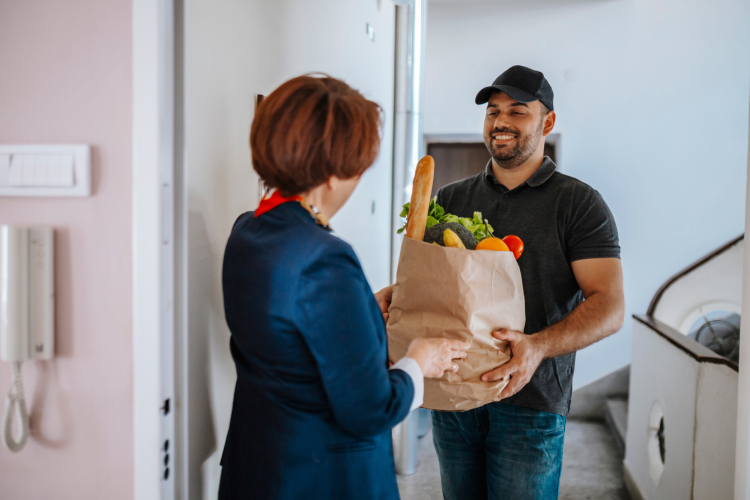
x,y
521,84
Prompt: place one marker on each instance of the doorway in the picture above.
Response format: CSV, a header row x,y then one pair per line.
x,y
458,157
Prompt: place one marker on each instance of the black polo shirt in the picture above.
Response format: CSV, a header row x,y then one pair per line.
x,y
560,220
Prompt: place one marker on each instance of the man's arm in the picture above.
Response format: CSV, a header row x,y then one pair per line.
x,y
600,315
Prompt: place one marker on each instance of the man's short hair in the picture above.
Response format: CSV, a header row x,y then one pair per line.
x,y
311,128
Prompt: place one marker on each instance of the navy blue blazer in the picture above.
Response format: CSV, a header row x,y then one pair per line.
x,y
314,402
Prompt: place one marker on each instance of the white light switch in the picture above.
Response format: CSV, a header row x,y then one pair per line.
x,y
65,171
50,175
41,165
17,166
45,170
4,169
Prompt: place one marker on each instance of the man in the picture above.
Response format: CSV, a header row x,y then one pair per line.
x,y
512,449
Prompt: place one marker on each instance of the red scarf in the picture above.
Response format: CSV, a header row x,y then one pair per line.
x,y
273,200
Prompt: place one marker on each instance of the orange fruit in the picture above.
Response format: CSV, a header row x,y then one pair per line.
x,y
493,244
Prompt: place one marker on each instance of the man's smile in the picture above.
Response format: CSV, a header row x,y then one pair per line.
x,y
502,138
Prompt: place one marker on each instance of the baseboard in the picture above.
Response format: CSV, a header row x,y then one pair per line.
x,y
616,418
587,402
627,478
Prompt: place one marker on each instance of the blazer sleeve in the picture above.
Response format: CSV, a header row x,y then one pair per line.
x,y
345,333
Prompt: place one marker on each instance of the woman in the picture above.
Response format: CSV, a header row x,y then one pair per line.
x,y
315,401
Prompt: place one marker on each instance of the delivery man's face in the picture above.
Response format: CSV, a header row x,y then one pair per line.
x,y
513,131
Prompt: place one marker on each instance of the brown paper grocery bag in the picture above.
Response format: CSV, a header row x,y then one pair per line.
x,y
457,294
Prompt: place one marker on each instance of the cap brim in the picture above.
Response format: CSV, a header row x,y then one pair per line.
x,y
516,94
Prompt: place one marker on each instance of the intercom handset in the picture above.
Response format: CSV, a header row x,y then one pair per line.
x,y
27,314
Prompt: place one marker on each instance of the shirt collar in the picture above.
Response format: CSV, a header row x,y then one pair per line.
x,y
539,177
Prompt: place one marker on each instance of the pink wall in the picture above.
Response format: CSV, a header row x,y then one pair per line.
x,y
65,77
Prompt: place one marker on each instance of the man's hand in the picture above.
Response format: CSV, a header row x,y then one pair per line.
x,y
528,351
600,315
384,297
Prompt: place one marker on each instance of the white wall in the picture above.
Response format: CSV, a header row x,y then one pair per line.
x,y
66,78
651,99
714,286
234,50
224,68
330,36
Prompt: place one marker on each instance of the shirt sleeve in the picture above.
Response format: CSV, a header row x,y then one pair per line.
x,y
592,233
411,367
439,197
344,330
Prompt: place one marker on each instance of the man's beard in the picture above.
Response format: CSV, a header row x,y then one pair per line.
x,y
510,158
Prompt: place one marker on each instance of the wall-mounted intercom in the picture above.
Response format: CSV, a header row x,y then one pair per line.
x,y
27,314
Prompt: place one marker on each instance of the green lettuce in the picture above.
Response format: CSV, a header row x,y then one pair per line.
x,y
436,215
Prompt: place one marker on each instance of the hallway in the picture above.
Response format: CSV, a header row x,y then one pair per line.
x,y
125,134
592,467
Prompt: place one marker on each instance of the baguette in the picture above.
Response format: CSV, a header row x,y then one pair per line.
x,y
416,223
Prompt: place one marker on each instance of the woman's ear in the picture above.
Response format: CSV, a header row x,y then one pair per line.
x,y
333,183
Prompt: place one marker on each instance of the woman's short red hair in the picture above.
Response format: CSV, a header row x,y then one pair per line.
x,y
311,128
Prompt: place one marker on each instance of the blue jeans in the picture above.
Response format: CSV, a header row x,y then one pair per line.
x,y
499,451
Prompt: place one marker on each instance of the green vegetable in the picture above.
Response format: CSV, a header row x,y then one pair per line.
x,y
437,215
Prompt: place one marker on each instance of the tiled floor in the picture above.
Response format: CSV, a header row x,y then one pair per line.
x,y
592,468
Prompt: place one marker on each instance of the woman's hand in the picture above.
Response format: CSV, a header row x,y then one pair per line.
x,y
384,297
435,356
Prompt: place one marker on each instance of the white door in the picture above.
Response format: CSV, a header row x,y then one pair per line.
x,y
234,50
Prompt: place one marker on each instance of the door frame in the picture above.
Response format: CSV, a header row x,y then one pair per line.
x,y
742,437
158,249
